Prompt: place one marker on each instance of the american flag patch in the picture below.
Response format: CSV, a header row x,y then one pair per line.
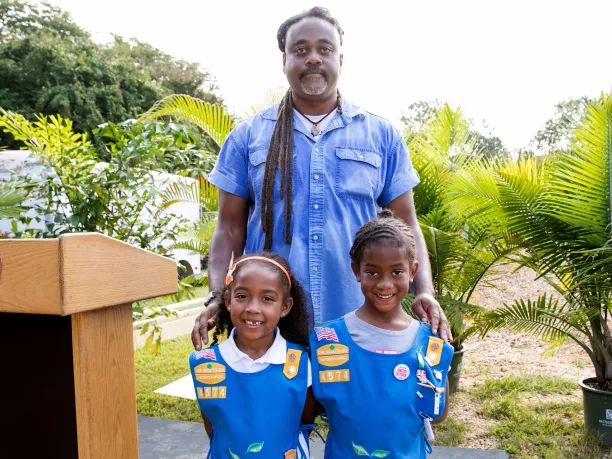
x,y
326,333
206,354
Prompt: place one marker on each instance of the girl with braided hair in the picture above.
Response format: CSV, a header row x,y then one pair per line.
x,y
379,373
254,388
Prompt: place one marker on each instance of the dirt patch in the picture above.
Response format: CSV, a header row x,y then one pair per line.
x,y
503,353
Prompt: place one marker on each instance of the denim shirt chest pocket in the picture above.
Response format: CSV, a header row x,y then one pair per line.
x,y
357,173
257,167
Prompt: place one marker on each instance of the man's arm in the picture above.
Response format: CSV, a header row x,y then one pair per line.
x,y
424,305
229,236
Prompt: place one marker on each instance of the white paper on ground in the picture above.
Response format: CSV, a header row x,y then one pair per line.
x,y
182,388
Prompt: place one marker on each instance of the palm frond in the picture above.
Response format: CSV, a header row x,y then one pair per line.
x,y
271,97
580,182
545,317
201,192
211,118
10,200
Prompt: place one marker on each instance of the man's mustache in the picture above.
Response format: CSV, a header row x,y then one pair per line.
x,y
312,71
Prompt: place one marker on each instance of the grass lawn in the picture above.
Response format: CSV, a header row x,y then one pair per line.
x,y
524,420
155,371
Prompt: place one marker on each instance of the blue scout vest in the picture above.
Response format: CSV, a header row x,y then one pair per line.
x,y
253,415
373,401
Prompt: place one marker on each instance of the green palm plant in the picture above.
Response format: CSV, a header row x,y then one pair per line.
x,y
10,200
561,210
461,253
214,120
196,238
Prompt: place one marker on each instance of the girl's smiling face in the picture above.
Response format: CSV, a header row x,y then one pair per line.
x,y
385,275
256,301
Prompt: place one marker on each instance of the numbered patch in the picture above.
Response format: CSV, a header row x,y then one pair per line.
x,y
330,376
210,373
333,355
212,392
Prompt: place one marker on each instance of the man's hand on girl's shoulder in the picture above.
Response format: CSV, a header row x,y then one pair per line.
x,y
205,321
427,309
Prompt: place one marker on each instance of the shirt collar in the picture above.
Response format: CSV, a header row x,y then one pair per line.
x,y
276,354
349,110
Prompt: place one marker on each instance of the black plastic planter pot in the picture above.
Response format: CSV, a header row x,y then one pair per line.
x,y
597,411
454,374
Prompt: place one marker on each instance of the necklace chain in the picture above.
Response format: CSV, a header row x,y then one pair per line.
x,y
315,126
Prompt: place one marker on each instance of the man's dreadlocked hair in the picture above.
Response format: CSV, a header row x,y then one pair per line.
x,y
385,229
294,326
280,151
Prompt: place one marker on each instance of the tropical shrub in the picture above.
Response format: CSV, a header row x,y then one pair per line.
x,y
561,210
461,252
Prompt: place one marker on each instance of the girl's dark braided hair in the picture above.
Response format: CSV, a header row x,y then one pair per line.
x,y
280,151
386,229
294,326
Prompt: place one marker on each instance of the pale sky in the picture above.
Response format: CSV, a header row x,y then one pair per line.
x,y
508,62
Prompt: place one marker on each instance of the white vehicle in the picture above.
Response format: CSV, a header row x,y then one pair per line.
x,y
23,163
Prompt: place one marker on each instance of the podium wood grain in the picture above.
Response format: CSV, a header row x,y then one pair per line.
x,y
103,355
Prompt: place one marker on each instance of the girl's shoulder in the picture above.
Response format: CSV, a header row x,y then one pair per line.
x,y
295,346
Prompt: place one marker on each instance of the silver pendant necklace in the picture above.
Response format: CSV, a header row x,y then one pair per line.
x,y
315,131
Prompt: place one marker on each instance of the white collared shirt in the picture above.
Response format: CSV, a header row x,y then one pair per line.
x,y
242,363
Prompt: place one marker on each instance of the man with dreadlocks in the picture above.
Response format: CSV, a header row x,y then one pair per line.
x,y
301,177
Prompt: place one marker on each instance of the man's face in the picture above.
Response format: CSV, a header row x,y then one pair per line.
x,y
312,59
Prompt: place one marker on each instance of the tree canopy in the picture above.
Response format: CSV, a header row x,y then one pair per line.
x,y
50,65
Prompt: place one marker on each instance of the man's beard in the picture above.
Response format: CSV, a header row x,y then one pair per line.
x,y
313,84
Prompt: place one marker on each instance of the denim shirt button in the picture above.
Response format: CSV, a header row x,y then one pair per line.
x,y
316,206
315,269
316,238
316,177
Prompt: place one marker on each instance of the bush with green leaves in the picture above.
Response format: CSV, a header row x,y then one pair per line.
x,y
166,146
461,253
560,209
77,193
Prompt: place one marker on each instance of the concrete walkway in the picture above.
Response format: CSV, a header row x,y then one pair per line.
x,y
164,439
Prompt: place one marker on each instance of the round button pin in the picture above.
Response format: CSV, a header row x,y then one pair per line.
x,y
401,371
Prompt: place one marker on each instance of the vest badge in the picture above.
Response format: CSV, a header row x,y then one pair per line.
x,y
291,454
333,355
292,363
209,373
434,350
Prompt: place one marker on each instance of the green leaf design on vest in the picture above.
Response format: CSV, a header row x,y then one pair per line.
x,y
360,450
255,448
234,456
380,453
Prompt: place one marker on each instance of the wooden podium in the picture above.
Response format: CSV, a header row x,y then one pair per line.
x,y
66,344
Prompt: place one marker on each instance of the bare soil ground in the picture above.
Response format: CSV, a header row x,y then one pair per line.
x,y
504,353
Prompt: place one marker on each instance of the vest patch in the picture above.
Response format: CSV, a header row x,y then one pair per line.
x,y
212,392
291,454
333,355
206,354
292,363
209,373
434,350
329,376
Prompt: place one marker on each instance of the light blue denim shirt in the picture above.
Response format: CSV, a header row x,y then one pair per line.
x,y
359,164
